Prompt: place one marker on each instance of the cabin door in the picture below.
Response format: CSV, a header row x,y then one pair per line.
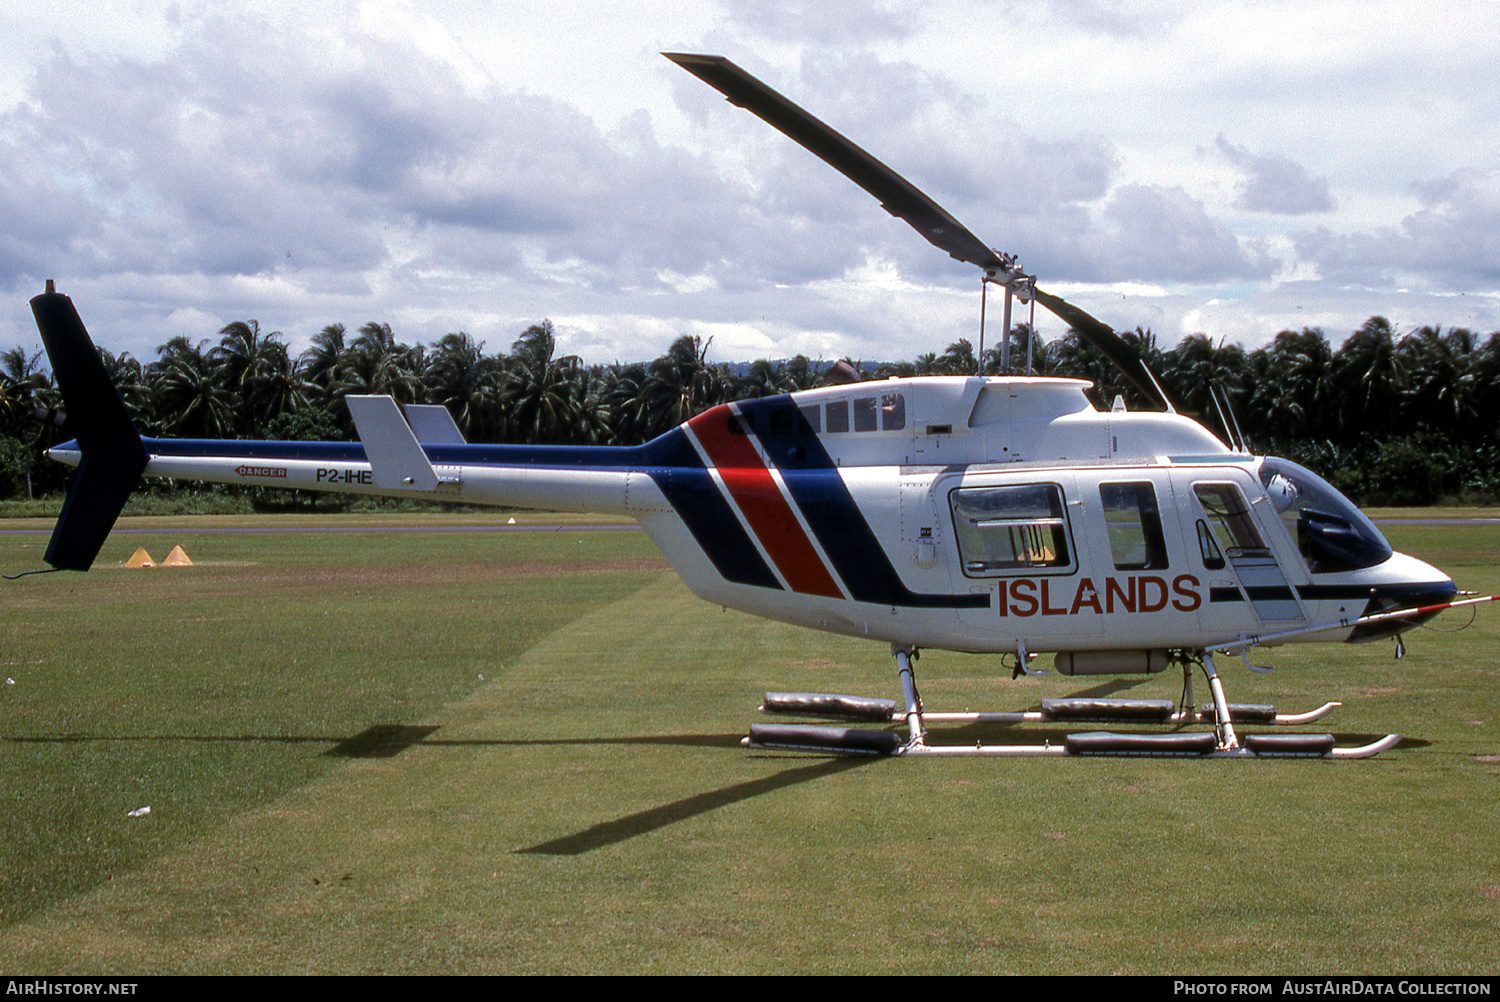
x,y
1230,540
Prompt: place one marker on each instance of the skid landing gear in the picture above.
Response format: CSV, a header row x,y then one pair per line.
x,y
1221,742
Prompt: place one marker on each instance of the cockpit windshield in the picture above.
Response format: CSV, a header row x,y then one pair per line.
x,y
1331,533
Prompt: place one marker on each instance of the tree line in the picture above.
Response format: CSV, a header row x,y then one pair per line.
x,y
1389,418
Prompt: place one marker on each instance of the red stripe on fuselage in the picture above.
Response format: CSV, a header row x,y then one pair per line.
x,y
755,492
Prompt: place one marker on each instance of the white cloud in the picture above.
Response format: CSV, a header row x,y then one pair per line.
x,y
1451,244
1164,233
817,22
1274,183
457,166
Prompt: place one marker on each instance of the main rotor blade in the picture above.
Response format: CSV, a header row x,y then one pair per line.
x,y
1103,338
902,199
897,195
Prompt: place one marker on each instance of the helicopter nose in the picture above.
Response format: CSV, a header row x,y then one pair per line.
x,y
1407,583
1410,581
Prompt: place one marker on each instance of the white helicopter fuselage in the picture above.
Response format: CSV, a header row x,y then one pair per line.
x,y
1001,514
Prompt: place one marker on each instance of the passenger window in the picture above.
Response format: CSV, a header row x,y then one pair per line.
x,y
1009,529
892,412
1133,524
813,416
1230,519
864,414
838,415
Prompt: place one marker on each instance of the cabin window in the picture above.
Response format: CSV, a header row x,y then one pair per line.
x,y
1230,519
813,416
838,415
1212,559
1011,529
892,412
1133,524
886,412
1331,533
783,421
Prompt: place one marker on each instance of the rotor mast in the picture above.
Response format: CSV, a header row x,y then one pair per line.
x,y
1018,285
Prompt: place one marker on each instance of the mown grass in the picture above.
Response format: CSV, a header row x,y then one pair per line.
x,y
200,691
586,808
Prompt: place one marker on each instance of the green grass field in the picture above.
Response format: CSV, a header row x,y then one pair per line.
x,y
500,753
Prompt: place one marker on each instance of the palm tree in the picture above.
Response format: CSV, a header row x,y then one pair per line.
x,y
466,381
276,387
625,397
1442,389
1074,357
191,394
321,365
1291,396
544,395
21,380
959,360
1370,380
1020,336
250,361
130,380
681,384
375,363
1193,370
801,373
764,379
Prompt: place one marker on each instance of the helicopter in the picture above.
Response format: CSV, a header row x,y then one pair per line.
x,y
1002,515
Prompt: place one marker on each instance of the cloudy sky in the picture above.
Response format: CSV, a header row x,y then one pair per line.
x,y
1231,168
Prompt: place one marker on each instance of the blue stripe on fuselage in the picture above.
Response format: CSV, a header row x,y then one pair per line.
x,y
606,457
677,470
669,460
831,512
674,465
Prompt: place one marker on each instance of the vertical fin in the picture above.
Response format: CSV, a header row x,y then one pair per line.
x,y
113,455
396,458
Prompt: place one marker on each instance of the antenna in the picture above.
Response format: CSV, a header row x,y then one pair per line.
x,y
1227,419
1229,406
1030,335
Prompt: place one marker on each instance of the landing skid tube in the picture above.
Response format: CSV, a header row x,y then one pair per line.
x,y
1222,742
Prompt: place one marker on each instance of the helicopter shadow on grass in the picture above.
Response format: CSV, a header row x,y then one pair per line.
x,y
383,741
387,740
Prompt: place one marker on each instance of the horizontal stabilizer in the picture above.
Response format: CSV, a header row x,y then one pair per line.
x,y
396,458
113,456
